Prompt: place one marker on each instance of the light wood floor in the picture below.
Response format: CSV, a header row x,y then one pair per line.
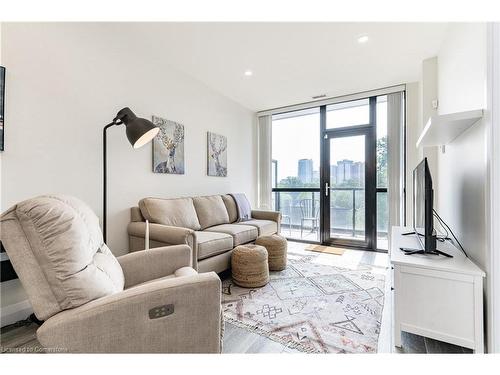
x,y
21,337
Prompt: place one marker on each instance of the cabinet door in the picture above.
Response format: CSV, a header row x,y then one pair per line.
x,y
436,304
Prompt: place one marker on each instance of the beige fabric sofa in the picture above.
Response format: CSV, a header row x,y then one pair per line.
x,y
94,302
207,224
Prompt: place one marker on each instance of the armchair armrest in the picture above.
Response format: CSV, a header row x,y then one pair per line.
x,y
121,323
163,233
142,266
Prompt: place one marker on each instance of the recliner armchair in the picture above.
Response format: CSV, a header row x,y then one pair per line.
x,y
149,301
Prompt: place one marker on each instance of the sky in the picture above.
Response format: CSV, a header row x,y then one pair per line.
x,y
298,137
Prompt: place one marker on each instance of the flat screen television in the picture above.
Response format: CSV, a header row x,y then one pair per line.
x,y
423,201
423,212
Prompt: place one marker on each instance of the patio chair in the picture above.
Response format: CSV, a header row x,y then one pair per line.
x,y
309,209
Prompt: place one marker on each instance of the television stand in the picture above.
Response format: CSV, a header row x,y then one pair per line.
x,y
408,251
436,297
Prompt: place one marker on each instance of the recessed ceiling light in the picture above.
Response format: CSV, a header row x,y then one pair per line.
x,y
248,73
363,39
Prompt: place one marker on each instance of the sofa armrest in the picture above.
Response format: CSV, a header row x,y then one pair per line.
x,y
163,233
146,265
121,323
268,215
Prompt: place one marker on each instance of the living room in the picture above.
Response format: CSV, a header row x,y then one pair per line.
x,y
251,183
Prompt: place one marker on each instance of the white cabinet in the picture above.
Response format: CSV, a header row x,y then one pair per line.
x,y
436,296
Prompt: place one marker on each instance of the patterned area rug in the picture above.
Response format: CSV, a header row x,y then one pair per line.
x,y
312,306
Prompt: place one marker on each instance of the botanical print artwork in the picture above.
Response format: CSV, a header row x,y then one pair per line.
x,y
168,147
217,155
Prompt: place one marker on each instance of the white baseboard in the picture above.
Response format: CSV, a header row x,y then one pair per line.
x,y
15,312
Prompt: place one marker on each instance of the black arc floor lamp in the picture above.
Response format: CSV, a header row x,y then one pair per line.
x,y
139,132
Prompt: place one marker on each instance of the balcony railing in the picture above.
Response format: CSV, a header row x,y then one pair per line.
x,y
347,208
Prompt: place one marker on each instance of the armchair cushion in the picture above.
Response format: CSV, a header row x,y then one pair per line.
x,y
59,237
241,233
141,266
178,212
264,227
212,243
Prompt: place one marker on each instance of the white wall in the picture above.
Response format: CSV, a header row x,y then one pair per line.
x,y
66,81
462,178
462,68
462,167
493,191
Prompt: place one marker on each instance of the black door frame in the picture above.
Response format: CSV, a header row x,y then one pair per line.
x,y
369,131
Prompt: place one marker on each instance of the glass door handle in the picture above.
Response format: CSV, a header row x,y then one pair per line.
x,y
327,189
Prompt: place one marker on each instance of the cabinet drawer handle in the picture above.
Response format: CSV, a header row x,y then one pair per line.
x,y
392,288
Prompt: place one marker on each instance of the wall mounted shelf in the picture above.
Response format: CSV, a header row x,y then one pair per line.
x,y
443,129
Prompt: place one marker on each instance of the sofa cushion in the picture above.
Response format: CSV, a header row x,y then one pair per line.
x,y
231,207
178,212
241,233
60,236
264,227
211,211
212,243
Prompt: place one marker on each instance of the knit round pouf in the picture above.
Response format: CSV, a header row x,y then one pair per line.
x,y
276,247
249,266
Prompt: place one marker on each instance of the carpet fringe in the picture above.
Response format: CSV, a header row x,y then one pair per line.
x,y
288,343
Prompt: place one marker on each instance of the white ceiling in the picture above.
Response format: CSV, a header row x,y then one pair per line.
x,y
291,62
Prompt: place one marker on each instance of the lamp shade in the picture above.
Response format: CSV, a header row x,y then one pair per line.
x,y
139,130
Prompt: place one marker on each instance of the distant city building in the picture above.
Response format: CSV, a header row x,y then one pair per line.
x,y
347,170
333,175
358,172
305,171
344,170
